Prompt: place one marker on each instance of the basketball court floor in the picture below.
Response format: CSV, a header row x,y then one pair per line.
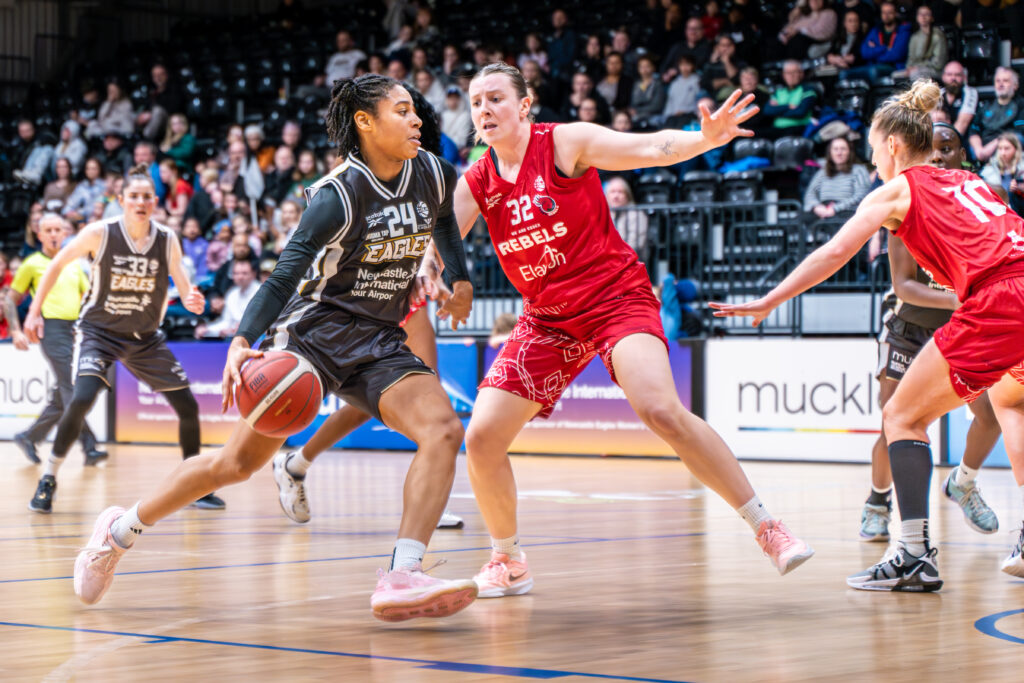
x,y
641,575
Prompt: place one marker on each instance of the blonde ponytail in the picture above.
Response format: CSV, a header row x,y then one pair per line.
x,y
908,116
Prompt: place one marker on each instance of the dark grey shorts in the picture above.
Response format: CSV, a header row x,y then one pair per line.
x,y
358,359
148,358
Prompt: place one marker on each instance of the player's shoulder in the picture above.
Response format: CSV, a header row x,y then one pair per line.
x,y
340,179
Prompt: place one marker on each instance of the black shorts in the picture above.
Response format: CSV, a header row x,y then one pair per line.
x,y
148,358
358,359
898,345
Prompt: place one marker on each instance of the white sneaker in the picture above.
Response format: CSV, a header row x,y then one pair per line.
x,y
450,520
291,490
1014,563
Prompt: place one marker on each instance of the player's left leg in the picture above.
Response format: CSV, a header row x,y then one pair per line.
x,y
641,367
87,388
418,407
924,395
1008,403
960,486
187,409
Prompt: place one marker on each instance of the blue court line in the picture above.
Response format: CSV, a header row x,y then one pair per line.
x,y
358,557
429,664
987,625
284,532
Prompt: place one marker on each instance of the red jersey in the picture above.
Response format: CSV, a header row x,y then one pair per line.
x,y
554,235
959,231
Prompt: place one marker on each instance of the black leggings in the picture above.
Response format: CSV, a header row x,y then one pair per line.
x,y
88,387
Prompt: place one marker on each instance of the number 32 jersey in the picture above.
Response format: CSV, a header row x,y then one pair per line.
x,y
554,235
959,231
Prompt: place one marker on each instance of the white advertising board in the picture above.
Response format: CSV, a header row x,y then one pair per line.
x,y
796,399
25,384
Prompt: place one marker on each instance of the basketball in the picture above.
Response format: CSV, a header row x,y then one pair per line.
x,y
280,393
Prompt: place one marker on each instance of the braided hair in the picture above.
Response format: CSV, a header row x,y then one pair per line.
x,y
430,130
348,96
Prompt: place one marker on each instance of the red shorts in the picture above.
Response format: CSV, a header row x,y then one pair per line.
x,y
984,339
542,356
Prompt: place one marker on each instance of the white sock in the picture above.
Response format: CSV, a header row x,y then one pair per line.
x,y
963,475
408,554
509,546
753,513
127,527
297,465
915,536
53,464
882,492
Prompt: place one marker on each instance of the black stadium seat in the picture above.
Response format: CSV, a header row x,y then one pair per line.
x,y
792,152
700,186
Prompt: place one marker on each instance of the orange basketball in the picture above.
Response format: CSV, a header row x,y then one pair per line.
x,y
280,393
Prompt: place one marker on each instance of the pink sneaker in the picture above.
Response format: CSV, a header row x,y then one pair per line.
x,y
94,566
503,576
786,551
409,593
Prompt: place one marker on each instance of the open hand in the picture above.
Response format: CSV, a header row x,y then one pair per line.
x,y
758,309
723,125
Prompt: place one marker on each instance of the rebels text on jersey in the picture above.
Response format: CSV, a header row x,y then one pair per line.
x,y
959,231
383,231
554,235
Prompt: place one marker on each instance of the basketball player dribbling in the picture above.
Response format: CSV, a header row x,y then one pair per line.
x,y
967,239
920,309
585,294
133,259
290,468
367,226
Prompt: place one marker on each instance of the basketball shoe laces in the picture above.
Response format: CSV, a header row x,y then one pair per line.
x,y
972,500
381,573
776,540
104,554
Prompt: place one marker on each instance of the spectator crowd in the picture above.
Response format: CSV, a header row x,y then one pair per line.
x,y
234,192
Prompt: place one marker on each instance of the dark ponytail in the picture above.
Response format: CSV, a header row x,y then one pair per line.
x,y
430,130
349,96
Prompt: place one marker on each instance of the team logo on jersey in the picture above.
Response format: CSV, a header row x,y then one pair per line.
x,y
154,266
423,210
549,260
410,246
493,200
375,218
546,204
1018,241
539,185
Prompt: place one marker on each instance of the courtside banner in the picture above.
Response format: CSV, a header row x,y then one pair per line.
x,y
25,385
593,416
457,361
795,399
144,416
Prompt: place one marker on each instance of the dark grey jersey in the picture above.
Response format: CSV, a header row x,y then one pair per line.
x,y
128,285
383,230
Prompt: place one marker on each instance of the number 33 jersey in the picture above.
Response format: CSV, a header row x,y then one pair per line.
x,y
127,283
959,231
554,235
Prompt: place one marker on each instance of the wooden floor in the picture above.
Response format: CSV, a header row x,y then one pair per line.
x,y
640,575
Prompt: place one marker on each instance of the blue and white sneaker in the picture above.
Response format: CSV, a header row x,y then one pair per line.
x,y
978,514
874,523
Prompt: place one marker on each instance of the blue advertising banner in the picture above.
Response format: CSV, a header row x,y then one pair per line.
x,y
457,363
144,416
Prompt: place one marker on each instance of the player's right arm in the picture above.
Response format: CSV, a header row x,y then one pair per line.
x,y
905,284
882,206
85,243
466,209
319,225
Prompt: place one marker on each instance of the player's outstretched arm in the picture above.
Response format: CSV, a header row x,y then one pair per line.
x,y
581,145
191,298
888,202
448,240
85,243
904,280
